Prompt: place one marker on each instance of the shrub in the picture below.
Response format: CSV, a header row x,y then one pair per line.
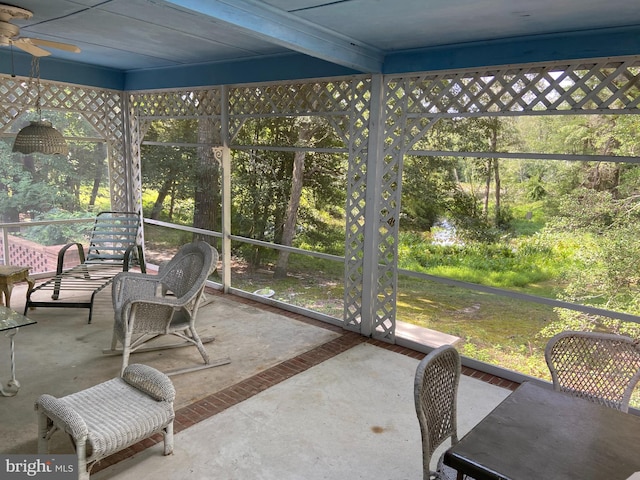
x,y
58,234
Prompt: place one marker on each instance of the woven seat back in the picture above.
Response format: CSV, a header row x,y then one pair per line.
x,y
187,271
603,368
435,392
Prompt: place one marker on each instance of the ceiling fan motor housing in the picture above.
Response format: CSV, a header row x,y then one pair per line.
x,y
8,12
10,34
8,31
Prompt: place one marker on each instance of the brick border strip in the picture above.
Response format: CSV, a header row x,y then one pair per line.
x,y
219,401
241,391
245,389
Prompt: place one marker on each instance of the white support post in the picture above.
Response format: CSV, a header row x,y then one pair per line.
x,y
5,245
375,164
226,191
134,182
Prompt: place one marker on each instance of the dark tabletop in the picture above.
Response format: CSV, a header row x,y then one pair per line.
x,y
537,433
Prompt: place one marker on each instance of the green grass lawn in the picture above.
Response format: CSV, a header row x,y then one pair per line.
x,y
493,329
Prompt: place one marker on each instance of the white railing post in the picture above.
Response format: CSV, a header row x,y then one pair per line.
x,y
5,245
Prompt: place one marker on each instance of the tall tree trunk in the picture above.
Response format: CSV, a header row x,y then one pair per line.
x,y
289,228
207,197
162,195
305,133
97,178
487,189
496,179
172,204
496,168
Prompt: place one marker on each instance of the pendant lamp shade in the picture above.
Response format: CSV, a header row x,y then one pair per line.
x,y
40,137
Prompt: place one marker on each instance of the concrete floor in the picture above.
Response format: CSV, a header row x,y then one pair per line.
x,y
351,416
62,354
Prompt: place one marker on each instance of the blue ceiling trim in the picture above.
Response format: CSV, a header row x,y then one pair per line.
x,y
62,70
264,69
593,44
611,42
284,29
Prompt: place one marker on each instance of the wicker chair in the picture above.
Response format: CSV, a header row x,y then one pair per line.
x,y
603,368
435,391
110,416
149,306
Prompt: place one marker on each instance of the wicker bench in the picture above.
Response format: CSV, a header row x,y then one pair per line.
x,y
110,416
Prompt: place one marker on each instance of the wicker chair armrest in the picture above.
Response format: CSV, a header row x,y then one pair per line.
x,y
136,277
62,415
150,381
157,314
168,302
163,307
129,285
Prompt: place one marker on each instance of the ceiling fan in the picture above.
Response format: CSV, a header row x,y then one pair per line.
x,y
10,34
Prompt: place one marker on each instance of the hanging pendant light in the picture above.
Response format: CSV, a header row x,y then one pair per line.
x,y
39,136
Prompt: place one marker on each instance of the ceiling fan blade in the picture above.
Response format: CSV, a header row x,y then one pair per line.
x,y
30,48
48,43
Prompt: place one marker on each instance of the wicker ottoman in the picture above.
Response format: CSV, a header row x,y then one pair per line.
x,y
110,416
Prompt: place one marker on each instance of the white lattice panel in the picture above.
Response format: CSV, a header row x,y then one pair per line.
x,y
413,104
358,133
345,104
578,87
102,109
177,103
303,98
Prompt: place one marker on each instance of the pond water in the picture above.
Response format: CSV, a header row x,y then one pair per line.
x,y
444,233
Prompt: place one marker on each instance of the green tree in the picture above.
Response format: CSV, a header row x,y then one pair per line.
x,y
37,183
429,183
450,187
277,195
207,208
25,186
604,272
171,169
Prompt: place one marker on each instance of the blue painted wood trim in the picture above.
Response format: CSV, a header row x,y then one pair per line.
x,y
611,42
594,44
279,27
63,71
281,67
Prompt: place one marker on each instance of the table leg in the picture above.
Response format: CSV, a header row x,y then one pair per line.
x,y
32,284
4,293
7,289
12,385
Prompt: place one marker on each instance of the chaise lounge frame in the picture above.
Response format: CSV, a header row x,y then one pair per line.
x,y
113,248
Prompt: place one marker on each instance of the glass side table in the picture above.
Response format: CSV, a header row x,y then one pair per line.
x,y
10,323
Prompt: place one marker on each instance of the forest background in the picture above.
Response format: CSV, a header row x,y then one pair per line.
x,y
565,228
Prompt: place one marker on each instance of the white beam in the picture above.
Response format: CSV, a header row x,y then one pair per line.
x,y
282,28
